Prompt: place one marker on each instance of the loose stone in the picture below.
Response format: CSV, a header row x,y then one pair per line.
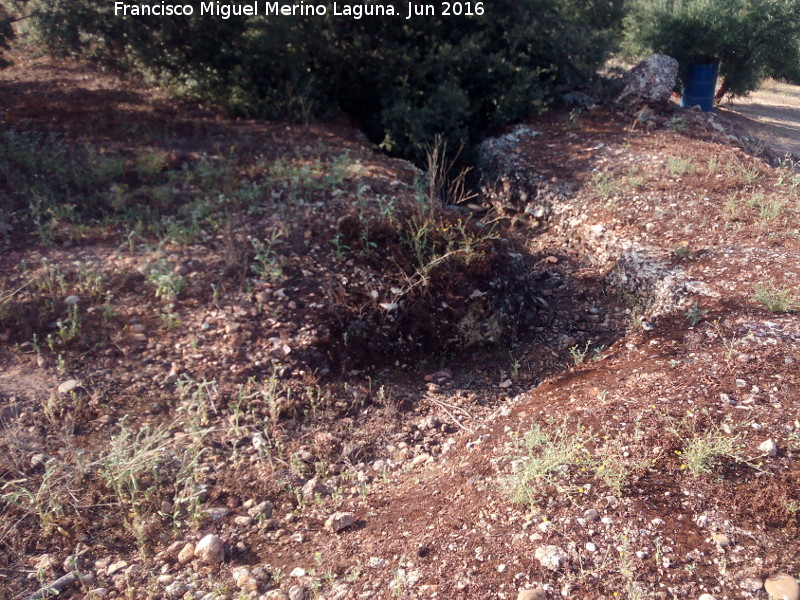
x,y
782,587
210,549
769,447
338,521
68,386
186,554
551,557
721,540
532,595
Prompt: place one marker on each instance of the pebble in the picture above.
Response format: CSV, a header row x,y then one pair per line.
x,y
261,509
68,386
782,587
96,594
37,460
298,572
751,584
769,447
297,592
116,567
245,581
551,557
532,595
210,549
315,487
165,579
186,554
721,539
339,520
243,521
591,547
591,515
72,300
706,597
176,589
274,595
215,513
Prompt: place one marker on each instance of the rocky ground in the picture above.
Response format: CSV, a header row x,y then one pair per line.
x,y
261,360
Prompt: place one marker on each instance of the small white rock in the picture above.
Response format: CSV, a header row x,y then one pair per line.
x,y
339,521
769,447
186,554
590,547
210,549
68,386
551,557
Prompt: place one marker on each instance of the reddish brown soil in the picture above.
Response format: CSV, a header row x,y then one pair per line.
x,y
650,265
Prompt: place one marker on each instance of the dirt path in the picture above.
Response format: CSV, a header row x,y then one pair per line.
x,y
772,114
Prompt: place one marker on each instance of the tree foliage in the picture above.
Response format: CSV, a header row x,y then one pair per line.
x,y
751,39
403,80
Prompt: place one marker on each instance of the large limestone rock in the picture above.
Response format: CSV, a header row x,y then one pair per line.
x,y
650,82
512,184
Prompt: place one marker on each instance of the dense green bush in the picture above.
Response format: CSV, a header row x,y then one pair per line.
x,y
402,80
751,39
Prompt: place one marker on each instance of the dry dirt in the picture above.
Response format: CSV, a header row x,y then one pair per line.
x,y
772,113
597,375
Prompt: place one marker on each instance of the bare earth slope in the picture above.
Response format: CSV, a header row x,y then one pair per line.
x,y
594,394
772,113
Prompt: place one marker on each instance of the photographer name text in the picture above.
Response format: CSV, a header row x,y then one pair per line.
x,y
409,10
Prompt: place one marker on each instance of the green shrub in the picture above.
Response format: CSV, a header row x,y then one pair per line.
x,y
403,80
751,39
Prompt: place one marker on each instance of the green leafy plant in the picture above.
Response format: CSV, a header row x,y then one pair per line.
x,y
695,314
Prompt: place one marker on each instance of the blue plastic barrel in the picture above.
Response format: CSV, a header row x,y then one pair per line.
x,y
701,86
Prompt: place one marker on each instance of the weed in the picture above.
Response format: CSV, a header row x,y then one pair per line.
x,y
131,466
268,262
168,284
69,328
628,569
443,186
634,181
677,124
777,300
45,502
544,462
680,166
197,399
574,117
789,173
398,583
578,354
695,314
339,248
729,342
713,164
170,317
702,450
604,185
